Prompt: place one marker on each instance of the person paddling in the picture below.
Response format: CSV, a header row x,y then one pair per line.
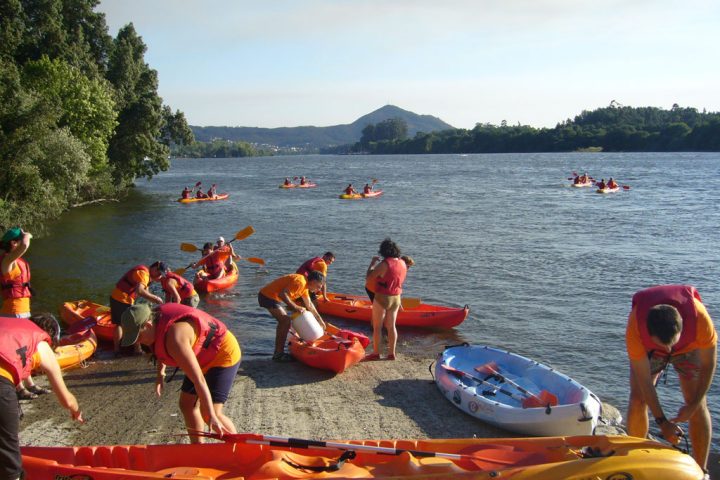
x,y
367,188
200,194
303,181
287,181
601,184
350,190
612,183
212,192
186,192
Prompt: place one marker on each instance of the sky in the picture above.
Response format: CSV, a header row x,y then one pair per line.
x,y
286,63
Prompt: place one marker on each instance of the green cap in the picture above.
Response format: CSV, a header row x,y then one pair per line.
x,y
12,234
132,319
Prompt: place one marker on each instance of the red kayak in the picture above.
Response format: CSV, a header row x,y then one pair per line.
x,y
356,307
336,351
206,285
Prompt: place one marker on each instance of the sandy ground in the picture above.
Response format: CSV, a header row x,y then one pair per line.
x,y
382,399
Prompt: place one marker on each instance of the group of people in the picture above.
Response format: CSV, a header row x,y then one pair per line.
x,y
303,181
350,190
585,179
187,191
610,184
217,260
668,325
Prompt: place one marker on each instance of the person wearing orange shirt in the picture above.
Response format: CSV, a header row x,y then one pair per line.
x,y
668,324
287,290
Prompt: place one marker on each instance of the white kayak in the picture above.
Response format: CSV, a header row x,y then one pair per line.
x,y
515,393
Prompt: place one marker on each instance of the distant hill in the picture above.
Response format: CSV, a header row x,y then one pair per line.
x,y
317,137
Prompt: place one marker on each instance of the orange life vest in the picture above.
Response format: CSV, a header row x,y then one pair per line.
x,y
184,288
128,286
391,282
18,343
17,287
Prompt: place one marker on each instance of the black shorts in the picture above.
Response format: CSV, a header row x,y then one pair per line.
x,y
116,310
267,302
10,459
370,293
219,381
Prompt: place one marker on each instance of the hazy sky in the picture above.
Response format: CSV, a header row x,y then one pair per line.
x,y
276,63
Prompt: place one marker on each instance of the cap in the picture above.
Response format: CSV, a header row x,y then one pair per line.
x,y
132,319
221,239
12,234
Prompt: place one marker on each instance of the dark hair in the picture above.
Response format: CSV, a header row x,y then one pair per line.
x,y
316,276
389,249
160,266
207,246
664,322
329,255
49,323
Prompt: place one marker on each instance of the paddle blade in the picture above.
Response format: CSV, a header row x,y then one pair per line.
x,y
626,187
490,368
198,184
188,247
244,233
409,302
180,271
540,400
257,260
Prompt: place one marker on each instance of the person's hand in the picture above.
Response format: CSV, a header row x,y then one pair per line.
x,y
375,259
216,426
671,432
300,309
77,416
685,412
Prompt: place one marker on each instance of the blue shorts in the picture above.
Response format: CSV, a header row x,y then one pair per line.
x,y
219,381
267,302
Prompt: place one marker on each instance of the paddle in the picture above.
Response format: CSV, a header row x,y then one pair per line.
x,y
626,187
84,324
241,235
542,399
410,302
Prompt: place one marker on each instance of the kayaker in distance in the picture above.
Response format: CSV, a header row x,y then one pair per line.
x,y
177,288
318,264
387,276
16,291
611,183
287,181
212,192
36,337
669,325
200,194
367,188
303,181
350,190
198,344
186,193
132,285
601,184
285,290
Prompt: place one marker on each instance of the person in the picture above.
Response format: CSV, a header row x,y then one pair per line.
x,y
218,262
186,192
226,251
318,264
287,289
212,192
16,292
601,184
303,181
370,283
287,181
206,250
196,343
612,183
367,188
200,194
133,284
36,336
669,324
178,289
387,277
350,190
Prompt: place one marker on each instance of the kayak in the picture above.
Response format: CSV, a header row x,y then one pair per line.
x,y
220,196
266,457
607,190
74,312
336,351
374,193
356,307
297,185
350,196
206,285
581,185
514,392
74,349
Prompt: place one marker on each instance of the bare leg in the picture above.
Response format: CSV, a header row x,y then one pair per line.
x,y
117,335
190,408
637,417
283,327
378,317
700,424
224,419
389,321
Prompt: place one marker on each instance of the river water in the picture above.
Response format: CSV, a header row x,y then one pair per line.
x,y
547,270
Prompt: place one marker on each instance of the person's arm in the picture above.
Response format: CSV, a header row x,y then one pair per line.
x,y
376,269
310,306
178,342
285,297
172,295
159,379
234,255
49,364
10,258
143,291
708,360
640,369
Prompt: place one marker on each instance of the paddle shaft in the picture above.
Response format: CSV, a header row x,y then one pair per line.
x,y
455,371
503,378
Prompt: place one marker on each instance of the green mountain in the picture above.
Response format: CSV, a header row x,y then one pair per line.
x,y
317,137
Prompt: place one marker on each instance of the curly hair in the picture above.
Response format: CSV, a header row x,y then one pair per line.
x,y
49,323
389,249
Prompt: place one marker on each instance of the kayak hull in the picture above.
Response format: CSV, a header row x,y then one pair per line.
x,y
607,190
582,185
75,349
356,307
550,458
307,185
221,196
336,351
373,194
205,285
73,312
576,413
350,196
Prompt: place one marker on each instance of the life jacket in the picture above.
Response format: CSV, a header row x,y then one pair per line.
x,y
309,266
367,189
349,191
601,185
577,180
126,285
679,296
391,282
186,194
18,287
210,332
18,344
184,288
215,263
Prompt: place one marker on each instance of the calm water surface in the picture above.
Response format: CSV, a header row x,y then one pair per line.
x,y
547,270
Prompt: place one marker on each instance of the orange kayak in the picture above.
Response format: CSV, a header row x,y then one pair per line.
x,y
73,312
264,457
336,351
74,349
356,307
212,285
221,196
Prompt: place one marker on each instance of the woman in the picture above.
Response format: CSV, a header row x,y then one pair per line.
x,y
177,289
37,337
386,277
199,345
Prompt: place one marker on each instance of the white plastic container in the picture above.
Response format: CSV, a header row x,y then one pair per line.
x,y
307,326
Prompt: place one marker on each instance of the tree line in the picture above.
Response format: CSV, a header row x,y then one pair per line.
x,y
80,114
614,128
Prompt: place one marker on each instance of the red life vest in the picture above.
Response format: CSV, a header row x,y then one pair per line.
x,y
186,194
18,287
309,266
18,344
214,264
128,286
210,332
391,283
679,296
349,191
184,288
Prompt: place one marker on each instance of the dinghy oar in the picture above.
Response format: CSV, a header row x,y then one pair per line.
x,y
542,399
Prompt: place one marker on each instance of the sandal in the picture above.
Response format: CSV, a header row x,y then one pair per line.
x,y
283,357
390,357
25,394
370,357
38,390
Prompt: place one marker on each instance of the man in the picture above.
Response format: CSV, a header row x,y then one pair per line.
x,y
287,290
318,264
132,285
669,325
218,262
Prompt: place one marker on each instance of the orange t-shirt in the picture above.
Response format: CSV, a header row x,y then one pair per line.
x,y
138,277
5,372
295,284
705,336
15,306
